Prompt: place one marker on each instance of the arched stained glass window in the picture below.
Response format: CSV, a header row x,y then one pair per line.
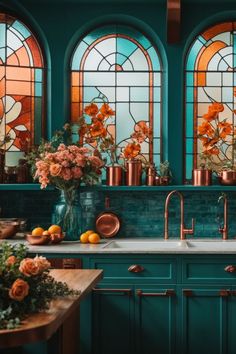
x,y
210,98
121,65
21,86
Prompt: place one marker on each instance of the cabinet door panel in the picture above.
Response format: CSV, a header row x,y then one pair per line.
x,y
112,319
204,321
231,338
155,320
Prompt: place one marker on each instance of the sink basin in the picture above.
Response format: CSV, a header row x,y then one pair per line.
x,y
213,245
146,245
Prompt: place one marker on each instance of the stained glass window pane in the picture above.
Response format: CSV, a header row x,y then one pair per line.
x,y
210,98
120,65
21,81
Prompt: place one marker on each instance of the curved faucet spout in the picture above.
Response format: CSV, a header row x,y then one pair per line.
x,y
183,231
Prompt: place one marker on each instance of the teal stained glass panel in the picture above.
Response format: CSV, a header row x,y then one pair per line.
x,y
19,27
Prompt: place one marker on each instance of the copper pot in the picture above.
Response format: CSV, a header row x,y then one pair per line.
x,y
114,175
202,177
107,223
133,172
150,176
227,178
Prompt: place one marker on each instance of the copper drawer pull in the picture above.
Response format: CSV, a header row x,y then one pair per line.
x,y
188,292
135,268
230,269
167,293
112,290
225,292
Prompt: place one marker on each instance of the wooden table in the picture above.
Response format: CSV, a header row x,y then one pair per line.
x,y
58,325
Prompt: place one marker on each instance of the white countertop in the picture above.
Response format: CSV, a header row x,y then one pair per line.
x,y
136,246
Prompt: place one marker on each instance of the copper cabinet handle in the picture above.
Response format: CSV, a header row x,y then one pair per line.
x,y
188,292
112,290
230,269
225,293
167,293
135,268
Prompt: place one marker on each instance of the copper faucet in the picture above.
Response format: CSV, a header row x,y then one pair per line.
x,y
224,229
183,231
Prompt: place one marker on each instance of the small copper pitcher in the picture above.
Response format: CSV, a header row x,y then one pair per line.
x,y
227,178
133,172
202,177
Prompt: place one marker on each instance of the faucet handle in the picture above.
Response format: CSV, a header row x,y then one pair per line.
x,y
190,231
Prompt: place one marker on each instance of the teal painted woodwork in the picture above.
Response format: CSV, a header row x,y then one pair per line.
x,y
113,316
155,320
204,321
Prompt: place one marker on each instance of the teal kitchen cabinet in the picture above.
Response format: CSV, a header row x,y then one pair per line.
x,y
134,308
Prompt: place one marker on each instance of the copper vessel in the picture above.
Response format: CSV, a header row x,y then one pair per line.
x,y
133,172
150,176
107,223
202,177
114,175
227,178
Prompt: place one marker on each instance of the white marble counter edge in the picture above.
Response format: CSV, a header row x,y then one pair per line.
x,y
78,248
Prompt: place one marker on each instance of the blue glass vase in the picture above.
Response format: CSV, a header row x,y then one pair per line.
x,y
68,214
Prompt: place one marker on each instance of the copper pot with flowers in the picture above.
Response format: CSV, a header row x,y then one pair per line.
x,y
217,136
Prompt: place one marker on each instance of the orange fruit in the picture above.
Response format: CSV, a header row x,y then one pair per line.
x,y
46,233
84,238
89,232
37,231
94,238
54,229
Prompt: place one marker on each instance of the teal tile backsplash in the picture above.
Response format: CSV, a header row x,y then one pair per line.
x,y
141,213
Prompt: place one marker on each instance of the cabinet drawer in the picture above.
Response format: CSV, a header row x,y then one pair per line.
x,y
209,270
133,268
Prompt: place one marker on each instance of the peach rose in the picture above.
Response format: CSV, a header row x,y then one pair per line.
x,y
19,290
42,263
11,260
55,169
28,267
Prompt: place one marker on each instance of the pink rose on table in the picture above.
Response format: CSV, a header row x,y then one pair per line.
x,y
11,260
42,263
55,169
19,290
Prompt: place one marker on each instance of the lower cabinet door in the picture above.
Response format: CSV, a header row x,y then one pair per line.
x,y
113,311
204,320
155,319
231,323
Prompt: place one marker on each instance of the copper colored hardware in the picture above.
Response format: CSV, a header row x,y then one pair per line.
x,y
188,292
224,229
114,175
225,292
173,20
135,268
150,175
227,178
183,230
202,177
133,173
167,293
112,290
230,269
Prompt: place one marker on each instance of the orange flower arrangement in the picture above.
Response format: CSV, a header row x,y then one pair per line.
x,y
217,137
26,285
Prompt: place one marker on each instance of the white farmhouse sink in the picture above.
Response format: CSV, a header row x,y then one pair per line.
x,y
146,245
213,244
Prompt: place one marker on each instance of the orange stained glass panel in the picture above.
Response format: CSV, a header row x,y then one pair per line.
x,y
74,112
14,87
75,79
111,130
13,73
75,94
208,53
35,52
200,79
26,104
2,87
23,57
12,60
2,72
213,31
23,119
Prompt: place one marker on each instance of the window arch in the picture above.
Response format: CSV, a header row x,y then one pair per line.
x,y
21,87
121,65
210,98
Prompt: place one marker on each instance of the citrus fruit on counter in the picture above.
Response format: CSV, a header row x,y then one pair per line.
x,y
89,232
54,229
84,238
37,231
94,238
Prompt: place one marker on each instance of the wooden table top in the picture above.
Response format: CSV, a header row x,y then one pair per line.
x,y
41,326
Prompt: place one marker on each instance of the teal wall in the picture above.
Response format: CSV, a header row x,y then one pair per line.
x,y
59,25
